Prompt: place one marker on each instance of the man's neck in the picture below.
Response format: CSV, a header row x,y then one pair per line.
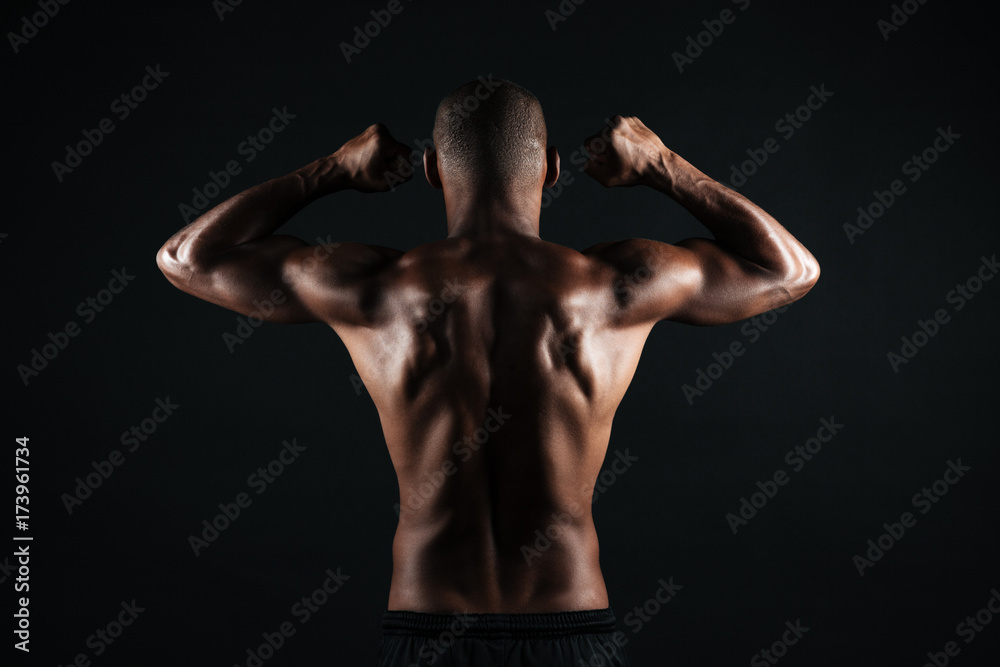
x,y
482,216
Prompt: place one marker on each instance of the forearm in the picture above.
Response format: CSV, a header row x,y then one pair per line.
x,y
736,222
254,213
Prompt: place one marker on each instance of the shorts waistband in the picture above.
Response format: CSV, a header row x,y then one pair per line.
x,y
499,626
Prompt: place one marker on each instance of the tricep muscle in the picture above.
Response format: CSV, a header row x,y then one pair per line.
x,y
695,281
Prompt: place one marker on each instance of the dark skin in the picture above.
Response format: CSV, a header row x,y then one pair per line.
x,y
494,318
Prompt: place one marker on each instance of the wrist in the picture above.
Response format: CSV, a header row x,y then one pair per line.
x,y
326,176
660,172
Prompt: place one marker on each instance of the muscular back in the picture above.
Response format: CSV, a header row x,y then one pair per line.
x,y
496,368
496,365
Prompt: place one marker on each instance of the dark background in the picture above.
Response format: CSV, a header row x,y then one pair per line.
x,y
666,516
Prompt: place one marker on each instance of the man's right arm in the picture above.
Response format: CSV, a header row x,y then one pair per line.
x,y
753,265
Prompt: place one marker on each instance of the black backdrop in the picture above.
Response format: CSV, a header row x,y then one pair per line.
x,y
664,517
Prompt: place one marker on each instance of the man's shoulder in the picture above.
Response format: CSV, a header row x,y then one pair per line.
x,y
532,258
627,254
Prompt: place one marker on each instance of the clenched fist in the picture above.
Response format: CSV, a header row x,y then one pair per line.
x,y
624,153
374,161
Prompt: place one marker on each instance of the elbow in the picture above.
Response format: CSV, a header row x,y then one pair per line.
x,y
803,278
176,269
811,272
166,260
163,258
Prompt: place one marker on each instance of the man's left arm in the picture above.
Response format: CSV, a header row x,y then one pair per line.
x,y
230,256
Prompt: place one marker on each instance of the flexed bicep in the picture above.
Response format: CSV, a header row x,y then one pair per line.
x,y
753,265
231,257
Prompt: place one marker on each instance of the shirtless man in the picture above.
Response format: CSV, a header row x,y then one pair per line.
x,y
496,360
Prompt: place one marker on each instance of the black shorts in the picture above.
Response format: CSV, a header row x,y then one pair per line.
x,y
570,638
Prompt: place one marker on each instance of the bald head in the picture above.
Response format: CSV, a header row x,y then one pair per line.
x,y
491,133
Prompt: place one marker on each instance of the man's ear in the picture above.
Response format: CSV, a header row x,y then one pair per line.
x,y
431,167
551,166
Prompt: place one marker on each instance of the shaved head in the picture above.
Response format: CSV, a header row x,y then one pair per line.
x,y
491,133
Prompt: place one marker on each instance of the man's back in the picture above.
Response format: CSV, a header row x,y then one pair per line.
x,y
496,360
496,368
